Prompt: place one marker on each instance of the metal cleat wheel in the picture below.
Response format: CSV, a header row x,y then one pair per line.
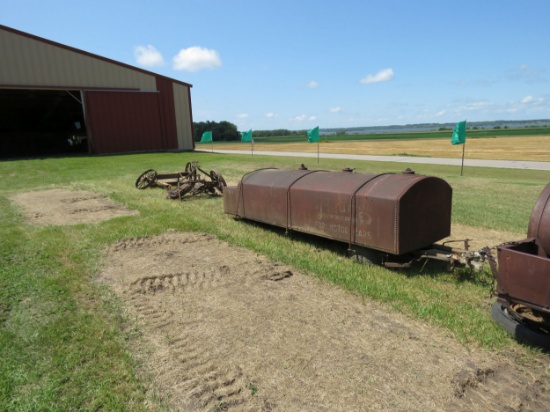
x,y
146,179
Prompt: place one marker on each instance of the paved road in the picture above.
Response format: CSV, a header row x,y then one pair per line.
x,y
502,164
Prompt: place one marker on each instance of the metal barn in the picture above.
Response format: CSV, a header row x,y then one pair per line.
x,y
55,99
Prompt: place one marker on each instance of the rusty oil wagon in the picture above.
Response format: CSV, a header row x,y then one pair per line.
x,y
388,219
397,219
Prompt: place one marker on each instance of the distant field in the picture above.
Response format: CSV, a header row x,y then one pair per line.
x,y
534,148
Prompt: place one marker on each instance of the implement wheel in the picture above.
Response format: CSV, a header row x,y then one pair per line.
x,y
511,318
146,179
218,180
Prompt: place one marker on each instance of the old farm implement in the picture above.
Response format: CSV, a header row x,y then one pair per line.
x,y
395,220
388,219
191,181
523,280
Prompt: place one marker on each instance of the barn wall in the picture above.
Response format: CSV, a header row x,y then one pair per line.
x,y
184,119
167,112
22,56
125,122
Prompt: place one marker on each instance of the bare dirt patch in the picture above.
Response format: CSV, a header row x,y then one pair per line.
x,y
225,329
67,207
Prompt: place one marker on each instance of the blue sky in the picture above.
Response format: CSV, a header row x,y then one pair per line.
x,y
298,64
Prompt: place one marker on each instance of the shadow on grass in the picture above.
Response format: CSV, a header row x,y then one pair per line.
x,y
419,268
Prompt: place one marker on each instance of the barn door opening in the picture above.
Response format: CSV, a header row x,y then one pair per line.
x,y
41,123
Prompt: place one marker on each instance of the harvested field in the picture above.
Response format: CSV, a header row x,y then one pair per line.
x,y
498,148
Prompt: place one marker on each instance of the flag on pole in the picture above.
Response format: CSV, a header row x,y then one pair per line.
x,y
313,135
459,134
246,136
206,137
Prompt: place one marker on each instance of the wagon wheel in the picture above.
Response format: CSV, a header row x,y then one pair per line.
x,y
531,317
218,180
146,179
516,325
181,191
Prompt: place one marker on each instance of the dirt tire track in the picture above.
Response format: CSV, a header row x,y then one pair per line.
x,y
225,329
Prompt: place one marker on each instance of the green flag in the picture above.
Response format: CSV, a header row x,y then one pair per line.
x,y
313,135
459,134
246,136
206,137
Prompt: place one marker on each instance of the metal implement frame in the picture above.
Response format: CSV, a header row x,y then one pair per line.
x,y
192,181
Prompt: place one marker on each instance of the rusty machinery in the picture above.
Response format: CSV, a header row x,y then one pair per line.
x,y
395,220
523,280
388,219
188,182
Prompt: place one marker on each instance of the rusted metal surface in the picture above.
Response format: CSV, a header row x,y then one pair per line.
x,y
523,273
394,213
188,182
539,224
388,219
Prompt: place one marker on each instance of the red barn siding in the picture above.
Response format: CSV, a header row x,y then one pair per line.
x,y
167,111
125,122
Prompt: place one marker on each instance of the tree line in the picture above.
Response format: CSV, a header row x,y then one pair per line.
x,y
227,131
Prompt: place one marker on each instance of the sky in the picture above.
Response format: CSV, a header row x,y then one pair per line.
x,y
298,64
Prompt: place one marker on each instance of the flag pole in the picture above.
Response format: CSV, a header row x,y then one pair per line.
x,y
459,137
463,149
317,151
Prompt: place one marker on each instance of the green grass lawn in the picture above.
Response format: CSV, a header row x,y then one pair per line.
x,y
62,336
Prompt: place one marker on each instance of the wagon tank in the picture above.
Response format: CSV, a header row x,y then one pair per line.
x,y
398,215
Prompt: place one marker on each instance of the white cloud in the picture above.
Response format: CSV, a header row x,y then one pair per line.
x,y
440,113
527,99
303,117
196,58
312,84
148,56
336,109
531,100
242,115
271,115
382,76
476,106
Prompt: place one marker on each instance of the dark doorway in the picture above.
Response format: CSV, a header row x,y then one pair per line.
x,y
41,122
